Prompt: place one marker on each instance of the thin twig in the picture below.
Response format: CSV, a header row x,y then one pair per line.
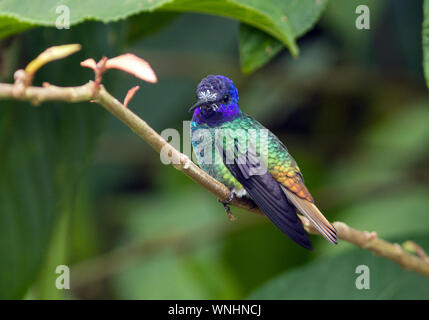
x,y
98,94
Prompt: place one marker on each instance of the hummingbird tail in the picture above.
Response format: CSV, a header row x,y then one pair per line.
x,y
312,213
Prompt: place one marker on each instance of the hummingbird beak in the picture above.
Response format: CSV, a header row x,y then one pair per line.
x,y
198,104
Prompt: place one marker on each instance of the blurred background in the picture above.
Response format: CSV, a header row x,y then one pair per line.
x,y
353,110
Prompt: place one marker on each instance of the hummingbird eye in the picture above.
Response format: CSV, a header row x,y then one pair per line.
x,y
226,98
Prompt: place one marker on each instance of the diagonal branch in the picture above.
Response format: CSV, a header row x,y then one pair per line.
x,y
98,94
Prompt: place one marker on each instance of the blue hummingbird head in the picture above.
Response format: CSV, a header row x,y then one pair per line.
x,y
217,101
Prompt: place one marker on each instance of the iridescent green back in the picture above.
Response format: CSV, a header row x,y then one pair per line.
x,y
280,164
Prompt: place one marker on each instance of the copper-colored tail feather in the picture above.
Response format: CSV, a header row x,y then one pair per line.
x,y
317,219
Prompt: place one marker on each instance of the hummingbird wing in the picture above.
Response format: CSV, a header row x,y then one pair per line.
x,y
267,194
287,173
284,170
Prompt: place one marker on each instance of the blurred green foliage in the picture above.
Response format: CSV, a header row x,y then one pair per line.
x,y
44,152
353,111
388,281
425,40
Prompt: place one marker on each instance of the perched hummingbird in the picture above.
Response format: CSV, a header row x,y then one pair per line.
x,y
279,188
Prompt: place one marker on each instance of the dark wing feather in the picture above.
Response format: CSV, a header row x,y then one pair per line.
x,y
292,183
312,213
267,194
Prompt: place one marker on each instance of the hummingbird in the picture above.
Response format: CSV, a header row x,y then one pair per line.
x,y
260,169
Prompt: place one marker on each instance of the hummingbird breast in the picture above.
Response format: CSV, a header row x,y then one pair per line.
x,y
208,158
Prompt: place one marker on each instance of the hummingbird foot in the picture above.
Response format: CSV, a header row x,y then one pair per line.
x,y
227,208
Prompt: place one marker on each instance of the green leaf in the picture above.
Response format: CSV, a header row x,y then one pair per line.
x,y
258,47
10,26
56,255
425,40
198,275
43,153
335,278
265,15
148,23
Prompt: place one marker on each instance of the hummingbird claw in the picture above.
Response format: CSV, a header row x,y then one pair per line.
x,y
227,208
231,217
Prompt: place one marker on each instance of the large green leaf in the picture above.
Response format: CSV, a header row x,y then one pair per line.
x,y
266,15
10,26
335,278
43,152
257,47
148,23
425,40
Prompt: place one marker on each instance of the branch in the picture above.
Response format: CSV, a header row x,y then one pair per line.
x,y
95,92
37,95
